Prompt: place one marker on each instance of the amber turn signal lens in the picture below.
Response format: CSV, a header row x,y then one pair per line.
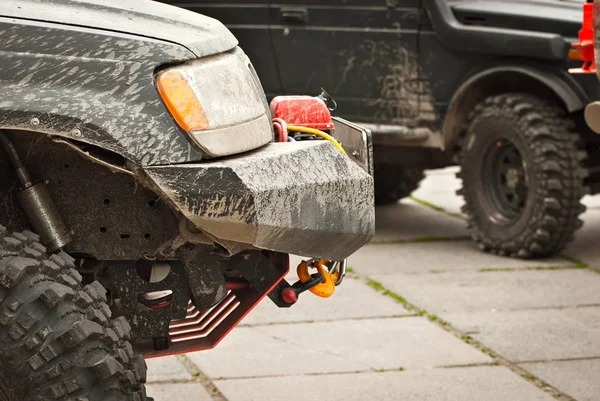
x,y
574,55
181,101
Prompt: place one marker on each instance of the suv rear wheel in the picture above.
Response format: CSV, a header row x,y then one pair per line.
x,y
522,176
394,182
57,341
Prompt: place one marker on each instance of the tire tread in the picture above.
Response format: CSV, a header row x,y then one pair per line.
x,y
549,133
57,333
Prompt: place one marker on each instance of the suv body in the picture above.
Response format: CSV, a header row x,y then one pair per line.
x,y
137,141
416,72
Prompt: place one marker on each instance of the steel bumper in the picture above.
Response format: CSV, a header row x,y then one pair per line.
x,y
305,198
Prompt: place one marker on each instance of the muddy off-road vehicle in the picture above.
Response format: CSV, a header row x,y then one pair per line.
x,y
478,83
150,196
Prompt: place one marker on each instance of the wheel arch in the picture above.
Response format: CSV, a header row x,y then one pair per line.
x,y
120,217
497,80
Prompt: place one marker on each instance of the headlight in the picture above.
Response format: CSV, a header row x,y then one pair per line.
x,y
219,102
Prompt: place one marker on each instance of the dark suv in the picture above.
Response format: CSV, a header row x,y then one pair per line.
x,y
482,84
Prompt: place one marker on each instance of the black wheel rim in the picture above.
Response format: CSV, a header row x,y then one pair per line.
x,y
504,181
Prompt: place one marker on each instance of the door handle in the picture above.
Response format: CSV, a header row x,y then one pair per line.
x,y
294,15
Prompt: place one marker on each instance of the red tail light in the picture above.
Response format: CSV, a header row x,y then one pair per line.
x,y
585,46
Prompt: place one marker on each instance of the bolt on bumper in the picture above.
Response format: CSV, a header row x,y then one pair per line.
x,y
304,198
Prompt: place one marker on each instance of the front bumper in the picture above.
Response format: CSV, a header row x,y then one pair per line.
x,y
305,198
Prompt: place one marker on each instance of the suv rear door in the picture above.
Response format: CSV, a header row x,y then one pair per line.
x,y
364,53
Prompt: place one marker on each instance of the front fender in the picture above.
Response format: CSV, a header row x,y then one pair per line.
x,y
509,78
92,86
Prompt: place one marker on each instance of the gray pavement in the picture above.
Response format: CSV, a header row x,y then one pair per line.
x,y
490,291
535,335
424,315
578,378
489,383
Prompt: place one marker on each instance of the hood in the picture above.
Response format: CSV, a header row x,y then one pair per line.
x,y
202,35
552,16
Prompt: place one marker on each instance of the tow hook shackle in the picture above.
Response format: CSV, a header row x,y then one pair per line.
x,y
322,283
326,287
290,294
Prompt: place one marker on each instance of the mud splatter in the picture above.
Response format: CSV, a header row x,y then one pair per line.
x,y
402,96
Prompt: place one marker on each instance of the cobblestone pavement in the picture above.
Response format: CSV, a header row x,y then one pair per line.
x,y
424,315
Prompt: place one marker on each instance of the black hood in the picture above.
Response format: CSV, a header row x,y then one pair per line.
x,y
202,35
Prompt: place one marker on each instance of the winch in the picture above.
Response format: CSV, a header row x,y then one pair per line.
x,y
299,118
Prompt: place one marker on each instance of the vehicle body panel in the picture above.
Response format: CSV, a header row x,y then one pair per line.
x,y
403,62
201,35
364,53
551,16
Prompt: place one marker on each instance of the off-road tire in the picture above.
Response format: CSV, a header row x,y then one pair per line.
x,y
394,182
550,151
57,341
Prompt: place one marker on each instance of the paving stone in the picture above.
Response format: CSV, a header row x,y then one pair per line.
x,y
165,369
528,336
448,201
489,383
493,291
579,379
435,256
381,343
353,299
179,392
249,352
408,220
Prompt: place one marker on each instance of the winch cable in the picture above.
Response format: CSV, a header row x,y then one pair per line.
x,y
316,132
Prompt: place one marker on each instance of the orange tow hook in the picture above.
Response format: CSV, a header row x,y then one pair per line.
x,y
326,287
